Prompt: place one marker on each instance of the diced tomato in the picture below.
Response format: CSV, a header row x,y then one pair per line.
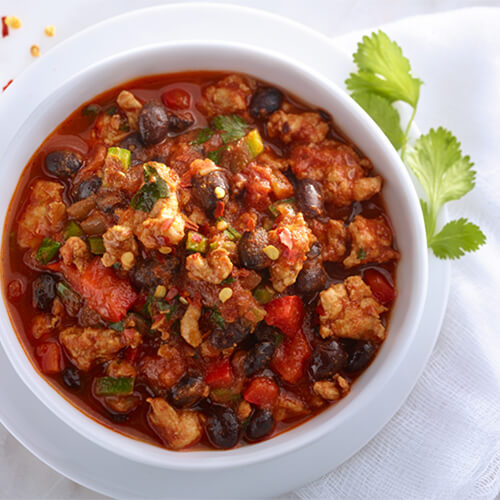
x,y
290,358
286,313
104,292
5,28
131,353
219,374
262,391
382,290
286,238
49,357
176,99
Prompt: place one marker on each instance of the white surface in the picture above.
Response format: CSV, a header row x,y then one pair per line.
x,y
456,401
369,395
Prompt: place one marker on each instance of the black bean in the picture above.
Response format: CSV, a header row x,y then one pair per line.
x,y
265,101
148,274
62,163
360,356
261,425
309,199
88,188
251,249
265,332
188,391
233,334
179,122
312,277
222,427
71,377
134,144
204,189
153,123
258,358
327,360
44,292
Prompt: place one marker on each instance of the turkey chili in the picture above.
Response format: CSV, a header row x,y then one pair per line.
x,y
199,258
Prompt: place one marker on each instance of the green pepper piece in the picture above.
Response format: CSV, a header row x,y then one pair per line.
x,y
232,234
121,154
196,242
47,251
111,386
96,245
72,229
263,294
254,142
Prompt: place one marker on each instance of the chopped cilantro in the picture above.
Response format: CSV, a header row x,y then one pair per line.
x,y
361,254
117,326
233,127
202,136
152,190
217,318
91,110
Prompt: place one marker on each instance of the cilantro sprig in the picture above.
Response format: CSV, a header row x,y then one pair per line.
x,y
232,127
384,76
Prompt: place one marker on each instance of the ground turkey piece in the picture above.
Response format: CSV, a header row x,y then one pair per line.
x,y
75,251
88,346
293,238
332,238
44,216
178,428
332,390
110,128
371,242
338,168
165,224
165,369
190,331
229,95
130,105
303,127
216,267
349,310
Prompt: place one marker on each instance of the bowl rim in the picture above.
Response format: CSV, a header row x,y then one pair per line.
x,y
207,460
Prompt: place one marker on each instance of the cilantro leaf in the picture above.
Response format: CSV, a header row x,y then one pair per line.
x,y
233,127
202,136
383,114
437,162
384,70
153,189
456,238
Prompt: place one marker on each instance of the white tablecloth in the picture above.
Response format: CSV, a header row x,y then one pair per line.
x,y
445,440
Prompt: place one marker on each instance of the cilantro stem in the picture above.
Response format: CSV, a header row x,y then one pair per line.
x,y
407,130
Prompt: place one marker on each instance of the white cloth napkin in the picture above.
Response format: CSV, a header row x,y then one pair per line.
x,y
445,440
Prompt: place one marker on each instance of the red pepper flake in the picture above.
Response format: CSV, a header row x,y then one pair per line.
x,y
166,224
286,238
4,88
171,294
219,209
5,28
192,225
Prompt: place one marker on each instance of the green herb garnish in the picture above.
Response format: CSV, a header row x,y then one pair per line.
x,y
216,155
278,339
232,234
384,76
233,127
227,281
47,251
361,254
119,327
153,189
217,318
273,208
111,111
91,110
202,136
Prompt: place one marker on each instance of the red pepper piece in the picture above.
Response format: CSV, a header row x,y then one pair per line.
x,y
286,313
49,357
290,358
219,209
219,374
104,292
5,28
176,99
262,391
382,290
4,88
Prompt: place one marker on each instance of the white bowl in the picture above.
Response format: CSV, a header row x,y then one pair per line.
x,y
401,200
